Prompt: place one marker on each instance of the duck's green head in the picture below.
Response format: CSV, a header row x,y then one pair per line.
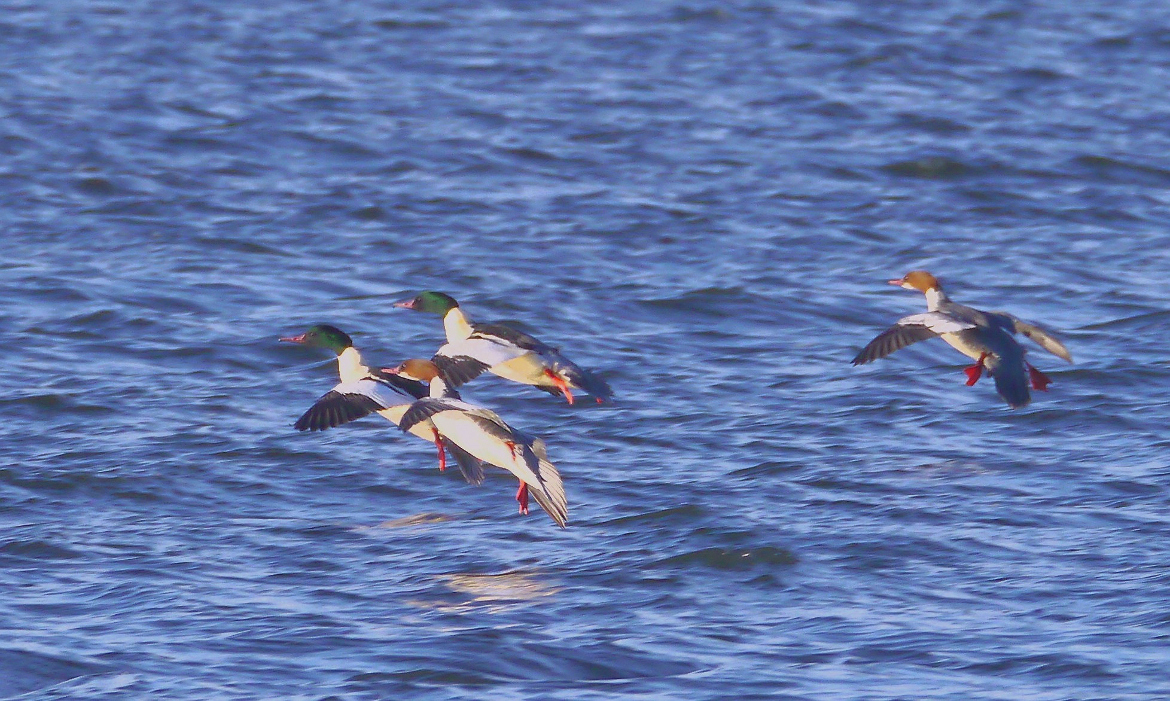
x,y
323,336
433,302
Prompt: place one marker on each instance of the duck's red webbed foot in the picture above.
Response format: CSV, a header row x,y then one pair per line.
x,y
442,453
560,383
975,371
1039,380
522,497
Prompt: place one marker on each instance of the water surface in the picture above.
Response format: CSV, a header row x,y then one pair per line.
x,y
700,201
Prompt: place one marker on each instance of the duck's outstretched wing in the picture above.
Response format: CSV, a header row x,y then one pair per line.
x,y
422,410
508,336
469,465
457,367
1039,336
908,330
427,407
403,385
347,401
463,361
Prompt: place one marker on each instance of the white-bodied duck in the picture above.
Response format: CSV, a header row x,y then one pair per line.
x,y
483,434
472,348
363,391
987,337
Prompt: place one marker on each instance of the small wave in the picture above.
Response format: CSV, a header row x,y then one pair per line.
x,y
732,558
931,168
220,244
934,125
710,301
410,24
531,154
685,512
597,662
1157,318
369,213
1056,666
1037,74
1115,170
428,675
96,185
685,14
53,402
26,671
37,550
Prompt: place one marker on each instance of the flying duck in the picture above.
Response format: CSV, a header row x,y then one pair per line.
x,y
473,347
986,337
363,391
484,435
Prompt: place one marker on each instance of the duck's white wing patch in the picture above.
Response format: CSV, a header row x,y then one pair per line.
x,y
372,389
937,322
486,350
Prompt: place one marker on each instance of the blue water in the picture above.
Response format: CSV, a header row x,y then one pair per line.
x,y
700,201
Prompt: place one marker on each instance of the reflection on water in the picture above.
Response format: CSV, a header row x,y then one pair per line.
x,y
415,520
506,586
490,593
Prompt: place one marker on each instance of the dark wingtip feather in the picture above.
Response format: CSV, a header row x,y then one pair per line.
x,y
894,338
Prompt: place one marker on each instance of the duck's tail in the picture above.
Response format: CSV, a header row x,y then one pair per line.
x,y
584,379
1011,381
550,493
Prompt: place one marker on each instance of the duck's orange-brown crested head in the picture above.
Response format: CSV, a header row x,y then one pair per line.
x,y
415,369
918,280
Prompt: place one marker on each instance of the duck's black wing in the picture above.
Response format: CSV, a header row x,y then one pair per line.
x,y
506,335
348,401
909,330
